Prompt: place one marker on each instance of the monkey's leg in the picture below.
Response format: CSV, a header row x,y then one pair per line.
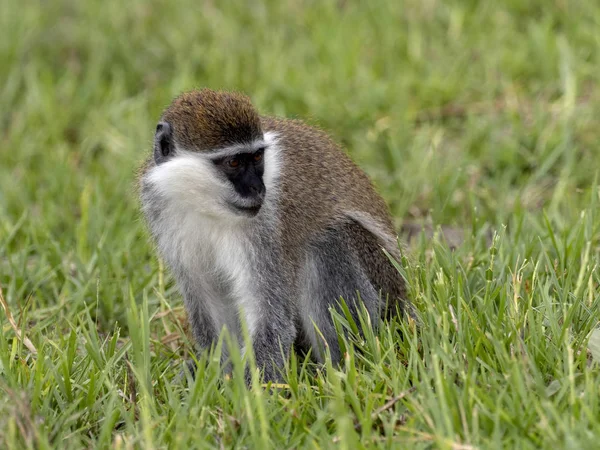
x,y
334,269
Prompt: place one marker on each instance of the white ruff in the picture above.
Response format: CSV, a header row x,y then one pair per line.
x,y
204,241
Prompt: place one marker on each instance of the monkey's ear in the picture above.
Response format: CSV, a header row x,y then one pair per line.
x,y
163,142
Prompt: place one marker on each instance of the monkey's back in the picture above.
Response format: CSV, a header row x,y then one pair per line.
x,y
320,183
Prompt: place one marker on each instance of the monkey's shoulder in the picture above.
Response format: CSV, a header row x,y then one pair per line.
x,y
319,180
298,134
310,147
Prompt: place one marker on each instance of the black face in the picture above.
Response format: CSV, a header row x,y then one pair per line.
x,y
245,171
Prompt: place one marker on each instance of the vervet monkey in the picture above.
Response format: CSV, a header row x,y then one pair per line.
x,y
268,220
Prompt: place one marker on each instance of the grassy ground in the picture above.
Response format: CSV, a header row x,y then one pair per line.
x,y
481,115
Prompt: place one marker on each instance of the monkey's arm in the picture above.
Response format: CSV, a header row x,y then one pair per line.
x,y
272,345
273,336
274,333
199,318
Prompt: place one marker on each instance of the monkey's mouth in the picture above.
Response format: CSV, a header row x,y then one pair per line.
x,y
249,211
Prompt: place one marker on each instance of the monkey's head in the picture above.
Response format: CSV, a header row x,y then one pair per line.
x,y
209,155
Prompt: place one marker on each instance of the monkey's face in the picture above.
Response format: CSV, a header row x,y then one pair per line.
x,y
220,183
244,170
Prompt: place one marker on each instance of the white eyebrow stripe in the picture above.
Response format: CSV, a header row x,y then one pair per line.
x,y
235,149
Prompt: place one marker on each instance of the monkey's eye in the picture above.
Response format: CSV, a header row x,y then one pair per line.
x,y
258,156
234,162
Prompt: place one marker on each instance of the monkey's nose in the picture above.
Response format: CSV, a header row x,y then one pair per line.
x,y
258,190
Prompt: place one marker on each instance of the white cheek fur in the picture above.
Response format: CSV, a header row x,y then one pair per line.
x,y
187,181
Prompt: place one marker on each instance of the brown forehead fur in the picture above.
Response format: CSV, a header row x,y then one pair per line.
x,y
205,120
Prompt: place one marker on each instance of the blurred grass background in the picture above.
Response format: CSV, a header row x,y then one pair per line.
x,y
465,113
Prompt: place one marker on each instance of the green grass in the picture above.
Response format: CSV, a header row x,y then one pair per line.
x,y
482,115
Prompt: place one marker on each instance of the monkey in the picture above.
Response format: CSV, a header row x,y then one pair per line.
x,y
269,221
